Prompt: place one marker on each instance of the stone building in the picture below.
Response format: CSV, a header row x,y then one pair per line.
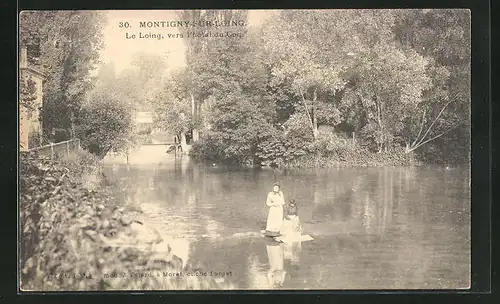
x,y
30,125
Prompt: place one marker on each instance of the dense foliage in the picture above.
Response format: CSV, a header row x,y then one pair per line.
x,y
79,238
27,92
385,78
105,120
64,45
388,79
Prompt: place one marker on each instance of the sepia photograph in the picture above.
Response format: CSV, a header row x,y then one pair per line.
x,y
171,150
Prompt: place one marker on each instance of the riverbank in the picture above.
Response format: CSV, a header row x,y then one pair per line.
x,y
76,235
325,152
356,158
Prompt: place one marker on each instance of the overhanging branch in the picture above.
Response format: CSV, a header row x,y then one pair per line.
x,y
421,128
430,127
307,110
430,139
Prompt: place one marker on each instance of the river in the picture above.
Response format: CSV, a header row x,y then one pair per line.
x,y
373,228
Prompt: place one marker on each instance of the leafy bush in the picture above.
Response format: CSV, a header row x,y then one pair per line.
x,y
105,124
298,126
273,147
333,145
338,154
208,147
80,162
288,150
280,149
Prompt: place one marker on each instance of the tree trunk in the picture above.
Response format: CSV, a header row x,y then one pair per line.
x,y
407,147
420,141
194,115
183,142
193,109
314,117
379,120
72,127
196,135
256,161
315,124
309,115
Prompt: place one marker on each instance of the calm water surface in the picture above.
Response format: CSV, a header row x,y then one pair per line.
x,y
373,228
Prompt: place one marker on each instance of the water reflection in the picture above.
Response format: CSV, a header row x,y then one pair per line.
x,y
277,267
276,273
291,252
372,227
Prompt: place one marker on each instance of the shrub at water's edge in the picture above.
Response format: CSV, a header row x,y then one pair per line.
x,y
356,158
77,238
281,150
335,151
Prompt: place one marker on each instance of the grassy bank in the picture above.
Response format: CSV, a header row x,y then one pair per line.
x,y
355,158
327,150
76,235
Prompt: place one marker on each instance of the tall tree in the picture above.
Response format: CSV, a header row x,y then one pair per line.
x,y
232,92
172,107
65,44
444,36
385,75
196,58
359,64
386,88
105,122
150,69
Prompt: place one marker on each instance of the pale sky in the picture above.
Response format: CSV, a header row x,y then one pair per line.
x,y
119,50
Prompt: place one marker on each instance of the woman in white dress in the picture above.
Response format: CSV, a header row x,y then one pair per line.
x,y
275,201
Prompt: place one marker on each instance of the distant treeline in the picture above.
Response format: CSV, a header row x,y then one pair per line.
x,y
398,81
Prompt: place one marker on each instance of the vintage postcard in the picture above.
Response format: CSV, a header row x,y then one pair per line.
x,y
244,150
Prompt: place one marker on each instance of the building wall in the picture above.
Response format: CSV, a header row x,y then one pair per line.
x,y
23,130
35,120
30,126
